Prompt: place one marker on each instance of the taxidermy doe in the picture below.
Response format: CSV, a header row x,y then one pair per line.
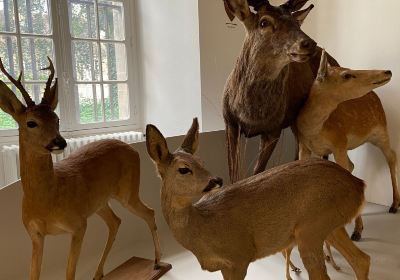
x,y
59,198
232,226
271,79
359,118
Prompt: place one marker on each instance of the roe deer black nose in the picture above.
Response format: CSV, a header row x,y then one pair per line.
x,y
217,181
60,142
388,72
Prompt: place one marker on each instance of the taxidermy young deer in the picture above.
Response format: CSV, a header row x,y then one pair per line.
x,y
271,79
359,118
59,198
232,226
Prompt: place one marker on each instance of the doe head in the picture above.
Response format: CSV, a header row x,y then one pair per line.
x,y
346,84
38,124
273,32
181,172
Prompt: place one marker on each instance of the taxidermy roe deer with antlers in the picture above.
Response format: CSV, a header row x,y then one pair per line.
x,y
59,198
232,226
359,118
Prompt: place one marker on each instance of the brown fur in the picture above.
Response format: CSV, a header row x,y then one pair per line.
x,y
59,199
232,226
341,114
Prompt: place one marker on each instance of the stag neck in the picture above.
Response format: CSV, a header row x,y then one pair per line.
x,y
37,173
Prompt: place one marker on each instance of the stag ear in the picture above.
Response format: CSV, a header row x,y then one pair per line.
x,y
323,67
300,16
9,103
294,5
191,141
237,8
156,144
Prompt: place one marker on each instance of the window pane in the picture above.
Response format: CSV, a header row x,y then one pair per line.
x,y
7,17
86,61
90,104
35,91
116,101
113,58
6,121
34,16
35,52
9,55
82,19
111,20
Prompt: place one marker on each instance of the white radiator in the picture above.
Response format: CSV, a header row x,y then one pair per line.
x,y
9,159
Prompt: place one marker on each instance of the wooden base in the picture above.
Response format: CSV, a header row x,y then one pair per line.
x,y
138,269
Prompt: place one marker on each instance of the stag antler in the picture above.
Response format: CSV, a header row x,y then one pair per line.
x,y
47,90
294,5
18,84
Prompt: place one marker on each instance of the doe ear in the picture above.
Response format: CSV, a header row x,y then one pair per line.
x,y
237,8
191,141
156,144
300,16
323,67
9,103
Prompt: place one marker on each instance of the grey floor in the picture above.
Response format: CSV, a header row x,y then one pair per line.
x,y
381,240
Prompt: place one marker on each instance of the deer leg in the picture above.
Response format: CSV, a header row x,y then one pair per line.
x,y
37,254
233,146
286,254
329,257
391,159
267,146
137,207
357,259
343,160
113,223
75,250
312,255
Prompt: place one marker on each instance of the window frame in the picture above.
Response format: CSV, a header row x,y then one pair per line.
x,y
68,100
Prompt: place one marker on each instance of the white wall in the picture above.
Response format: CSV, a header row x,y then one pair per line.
x,y
169,57
365,35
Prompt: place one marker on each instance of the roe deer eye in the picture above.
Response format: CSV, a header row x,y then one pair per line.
x,y
31,124
184,171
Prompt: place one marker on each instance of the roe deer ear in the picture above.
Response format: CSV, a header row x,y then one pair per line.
x,y
156,144
191,141
323,67
237,8
9,103
300,16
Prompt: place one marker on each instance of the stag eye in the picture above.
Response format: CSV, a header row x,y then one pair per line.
x,y
184,171
265,23
31,124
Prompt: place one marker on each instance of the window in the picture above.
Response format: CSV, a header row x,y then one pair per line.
x,y
91,45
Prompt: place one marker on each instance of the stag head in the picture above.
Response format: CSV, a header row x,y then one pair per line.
x,y
38,124
273,32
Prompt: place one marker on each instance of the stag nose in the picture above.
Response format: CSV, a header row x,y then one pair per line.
x,y
308,44
217,181
60,142
389,73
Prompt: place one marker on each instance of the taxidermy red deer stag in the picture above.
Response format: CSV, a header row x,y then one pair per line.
x,y
232,226
271,79
59,198
359,118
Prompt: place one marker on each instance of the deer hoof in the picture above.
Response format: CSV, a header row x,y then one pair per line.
x,y
393,210
157,266
356,236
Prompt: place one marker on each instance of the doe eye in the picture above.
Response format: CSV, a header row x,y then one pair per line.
x,y
348,76
31,124
184,171
265,23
